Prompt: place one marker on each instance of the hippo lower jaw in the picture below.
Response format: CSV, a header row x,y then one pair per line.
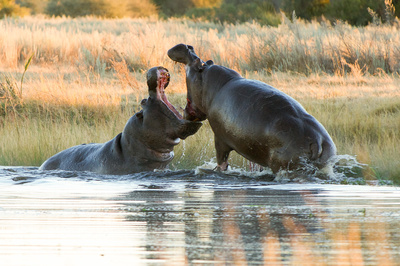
x,y
161,156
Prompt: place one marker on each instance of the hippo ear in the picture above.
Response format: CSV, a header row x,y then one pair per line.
x,y
188,128
198,65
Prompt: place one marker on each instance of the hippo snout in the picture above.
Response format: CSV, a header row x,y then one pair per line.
x,y
188,128
182,53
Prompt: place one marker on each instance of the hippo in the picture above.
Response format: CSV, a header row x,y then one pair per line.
x,y
259,122
145,144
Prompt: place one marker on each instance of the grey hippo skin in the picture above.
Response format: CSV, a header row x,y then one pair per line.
x,y
145,144
261,123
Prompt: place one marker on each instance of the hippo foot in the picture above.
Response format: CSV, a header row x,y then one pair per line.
x,y
221,167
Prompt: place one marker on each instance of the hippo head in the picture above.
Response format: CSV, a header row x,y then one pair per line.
x,y
161,126
182,53
185,54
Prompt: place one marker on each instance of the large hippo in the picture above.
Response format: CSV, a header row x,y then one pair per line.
x,y
261,123
146,142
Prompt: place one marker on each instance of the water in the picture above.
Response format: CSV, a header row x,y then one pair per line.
x,y
192,218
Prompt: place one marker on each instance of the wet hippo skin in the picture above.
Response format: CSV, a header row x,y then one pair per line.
x,y
261,123
146,143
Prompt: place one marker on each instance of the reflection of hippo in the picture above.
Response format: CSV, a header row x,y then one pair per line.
x,y
145,144
256,120
219,223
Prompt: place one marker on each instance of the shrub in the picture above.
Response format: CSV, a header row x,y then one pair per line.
x,y
354,12
201,12
76,8
173,8
305,9
10,8
140,8
35,6
233,11
101,8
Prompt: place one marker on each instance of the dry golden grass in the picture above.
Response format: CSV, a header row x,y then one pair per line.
x,y
88,74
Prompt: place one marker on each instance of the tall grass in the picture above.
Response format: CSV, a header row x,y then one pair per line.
x,y
292,46
87,76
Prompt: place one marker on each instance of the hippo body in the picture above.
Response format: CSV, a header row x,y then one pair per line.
x,y
145,144
261,123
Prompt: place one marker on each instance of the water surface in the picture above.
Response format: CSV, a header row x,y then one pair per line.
x,y
189,218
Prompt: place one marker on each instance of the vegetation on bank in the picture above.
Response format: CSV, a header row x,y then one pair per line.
x,y
87,76
264,12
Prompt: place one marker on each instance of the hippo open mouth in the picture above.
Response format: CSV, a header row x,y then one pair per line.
x,y
162,83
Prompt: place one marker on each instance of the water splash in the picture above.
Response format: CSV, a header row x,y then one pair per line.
x,y
342,169
347,165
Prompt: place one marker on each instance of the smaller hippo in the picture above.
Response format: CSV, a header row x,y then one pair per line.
x,y
145,144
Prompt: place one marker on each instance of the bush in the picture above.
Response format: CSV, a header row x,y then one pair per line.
x,y
35,6
233,11
76,8
355,12
140,8
206,13
173,8
10,8
101,8
305,9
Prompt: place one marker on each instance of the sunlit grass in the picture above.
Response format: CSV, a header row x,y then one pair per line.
x,y
87,76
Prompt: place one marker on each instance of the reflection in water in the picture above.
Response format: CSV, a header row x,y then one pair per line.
x,y
264,227
178,218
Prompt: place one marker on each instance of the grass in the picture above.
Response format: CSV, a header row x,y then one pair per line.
x,y
87,76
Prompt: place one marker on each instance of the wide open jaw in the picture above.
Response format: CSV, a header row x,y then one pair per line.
x,y
162,83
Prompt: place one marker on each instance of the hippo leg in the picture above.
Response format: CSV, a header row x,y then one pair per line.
x,y
222,151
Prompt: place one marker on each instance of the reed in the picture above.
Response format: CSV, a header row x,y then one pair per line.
x,y
87,76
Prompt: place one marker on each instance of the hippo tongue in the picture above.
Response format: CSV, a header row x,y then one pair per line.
x,y
163,97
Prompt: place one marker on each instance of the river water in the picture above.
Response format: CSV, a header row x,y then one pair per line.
x,y
189,217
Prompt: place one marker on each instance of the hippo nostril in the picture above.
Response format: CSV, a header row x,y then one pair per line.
x,y
143,102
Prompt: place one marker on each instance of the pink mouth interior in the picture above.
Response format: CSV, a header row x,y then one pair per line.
x,y
163,79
